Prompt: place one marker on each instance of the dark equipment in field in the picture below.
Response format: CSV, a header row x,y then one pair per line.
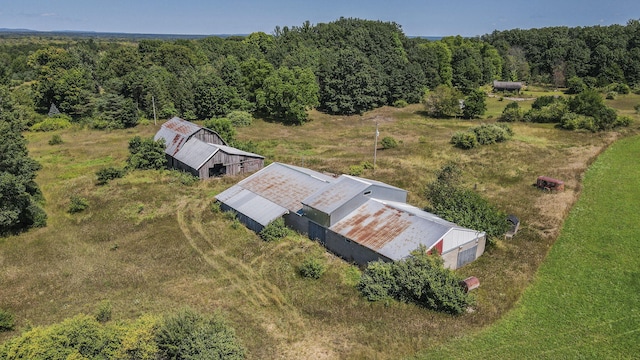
x,y
549,184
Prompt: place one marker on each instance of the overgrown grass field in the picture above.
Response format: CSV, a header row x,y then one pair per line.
x,y
148,243
584,300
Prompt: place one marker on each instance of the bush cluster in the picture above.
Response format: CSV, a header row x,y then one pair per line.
x,y
484,134
52,123
146,154
109,173
586,110
462,206
312,268
6,321
389,142
421,279
55,140
276,230
77,204
182,335
190,335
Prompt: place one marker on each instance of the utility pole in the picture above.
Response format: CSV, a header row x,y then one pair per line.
x,y
375,148
153,101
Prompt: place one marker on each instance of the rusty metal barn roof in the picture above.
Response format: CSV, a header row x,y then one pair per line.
x,y
393,229
343,189
284,185
175,133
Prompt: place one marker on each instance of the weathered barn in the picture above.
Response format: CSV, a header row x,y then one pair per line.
x,y
202,152
358,219
507,86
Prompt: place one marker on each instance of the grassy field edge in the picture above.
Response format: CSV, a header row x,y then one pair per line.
x,y
584,301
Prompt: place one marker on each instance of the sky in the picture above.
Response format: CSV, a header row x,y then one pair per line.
x,y
416,17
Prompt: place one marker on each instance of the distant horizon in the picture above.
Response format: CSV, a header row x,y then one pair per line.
x,y
26,30
467,18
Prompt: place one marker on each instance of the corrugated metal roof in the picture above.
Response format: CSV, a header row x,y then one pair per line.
x,y
254,206
285,185
195,153
234,151
343,189
333,196
175,133
392,229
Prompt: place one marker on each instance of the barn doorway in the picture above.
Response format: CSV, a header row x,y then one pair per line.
x,y
217,170
466,256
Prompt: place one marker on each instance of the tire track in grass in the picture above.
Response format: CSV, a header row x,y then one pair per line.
x,y
257,290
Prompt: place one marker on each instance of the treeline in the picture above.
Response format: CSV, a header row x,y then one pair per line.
x,y
348,66
601,55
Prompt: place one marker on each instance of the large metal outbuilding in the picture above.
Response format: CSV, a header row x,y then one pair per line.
x,y
202,152
358,219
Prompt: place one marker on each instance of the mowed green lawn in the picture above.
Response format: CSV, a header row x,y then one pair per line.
x,y
585,301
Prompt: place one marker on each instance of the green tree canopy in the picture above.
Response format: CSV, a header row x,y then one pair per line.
x,y
288,94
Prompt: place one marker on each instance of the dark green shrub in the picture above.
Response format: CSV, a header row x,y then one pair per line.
x,y
543,101
223,127
400,103
575,85
611,95
421,279
389,143
107,174
355,170
146,154
6,321
377,281
190,335
551,113
184,178
637,108
573,121
77,204
103,313
463,206
55,140
623,121
367,165
312,268
464,140
276,230
240,118
53,123
511,113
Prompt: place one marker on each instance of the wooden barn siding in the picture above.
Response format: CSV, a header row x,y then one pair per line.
x,y
209,137
235,164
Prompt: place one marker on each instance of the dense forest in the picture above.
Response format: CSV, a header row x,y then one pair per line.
x,y
348,66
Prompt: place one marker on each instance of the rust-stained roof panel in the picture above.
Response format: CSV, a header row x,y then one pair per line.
x,y
285,185
175,133
393,231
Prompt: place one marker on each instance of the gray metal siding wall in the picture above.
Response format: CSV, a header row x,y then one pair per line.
x,y
351,250
317,232
453,258
297,223
247,221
